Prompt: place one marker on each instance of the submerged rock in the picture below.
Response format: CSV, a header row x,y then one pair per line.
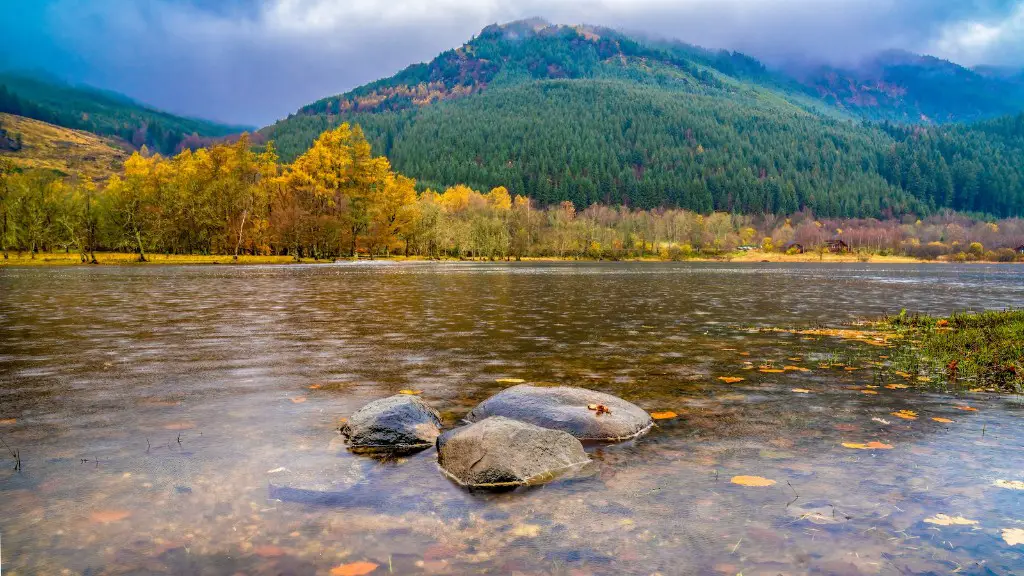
x,y
396,423
500,452
586,414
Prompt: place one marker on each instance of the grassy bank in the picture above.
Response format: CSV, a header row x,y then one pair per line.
x,y
983,351
123,258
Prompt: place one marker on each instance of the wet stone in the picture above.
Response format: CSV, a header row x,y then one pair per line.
x,y
400,423
499,452
568,409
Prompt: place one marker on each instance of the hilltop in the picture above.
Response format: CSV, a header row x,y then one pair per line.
x,y
31,143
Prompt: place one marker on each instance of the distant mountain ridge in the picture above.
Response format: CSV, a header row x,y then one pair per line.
x,y
104,113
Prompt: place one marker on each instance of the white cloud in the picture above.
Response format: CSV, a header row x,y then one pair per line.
x,y
978,42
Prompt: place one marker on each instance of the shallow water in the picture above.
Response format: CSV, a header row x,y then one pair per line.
x,y
153,408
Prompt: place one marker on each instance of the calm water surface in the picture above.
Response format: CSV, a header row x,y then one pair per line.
x,y
154,407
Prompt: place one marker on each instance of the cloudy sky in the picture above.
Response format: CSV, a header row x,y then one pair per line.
x,y
254,61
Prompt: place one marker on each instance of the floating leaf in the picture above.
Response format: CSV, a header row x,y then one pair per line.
x,y
771,371
902,374
752,481
8,422
298,400
801,391
906,414
851,368
942,420
663,415
867,446
944,520
510,380
796,369
179,426
923,379
868,392
1013,536
731,379
354,569
526,530
966,408
744,353
1011,484
268,551
315,386
795,359
411,392
897,386
109,516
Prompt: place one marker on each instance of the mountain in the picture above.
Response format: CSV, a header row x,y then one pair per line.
x,y
904,87
29,143
588,114
104,113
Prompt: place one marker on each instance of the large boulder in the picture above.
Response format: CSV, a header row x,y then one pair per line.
x,y
397,423
586,414
500,452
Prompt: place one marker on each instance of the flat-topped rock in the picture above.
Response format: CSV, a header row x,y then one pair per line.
x,y
586,414
499,452
397,423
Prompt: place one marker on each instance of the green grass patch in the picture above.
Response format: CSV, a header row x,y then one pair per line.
x,y
966,351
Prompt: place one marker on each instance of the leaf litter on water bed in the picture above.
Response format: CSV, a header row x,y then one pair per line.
x,y
945,520
756,481
867,446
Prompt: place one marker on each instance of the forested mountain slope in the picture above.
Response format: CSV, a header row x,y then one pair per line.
x,y
589,115
104,113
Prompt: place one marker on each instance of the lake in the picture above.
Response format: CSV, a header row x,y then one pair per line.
x,y
154,407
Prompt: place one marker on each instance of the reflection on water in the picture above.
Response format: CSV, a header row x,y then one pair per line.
x,y
154,407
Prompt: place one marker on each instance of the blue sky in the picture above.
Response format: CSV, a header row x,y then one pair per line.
x,y
254,61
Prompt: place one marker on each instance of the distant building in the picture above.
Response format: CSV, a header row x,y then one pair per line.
x,y
746,248
794,247
837,246
1020,249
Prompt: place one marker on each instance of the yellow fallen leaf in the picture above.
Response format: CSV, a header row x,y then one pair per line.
x,y
966,408
897,386
526,530
1011,484
867,446
179,426
771,371
510,380
298,400
744,353
868,392
663,415
731,379
1013,536
801,391
8,422
354,569
796,369
795,359
902,374
923,379
906,414
851,368
870,386
751,481
410,392
315,386
944,520
108,516
942,420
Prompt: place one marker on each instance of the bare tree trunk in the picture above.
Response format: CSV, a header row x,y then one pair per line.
x,y
238,244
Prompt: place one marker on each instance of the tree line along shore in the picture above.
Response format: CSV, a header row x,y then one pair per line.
x,y
237,202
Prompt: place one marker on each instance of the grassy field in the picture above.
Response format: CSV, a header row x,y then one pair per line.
x,y
983,351
126,259
65,259
63,150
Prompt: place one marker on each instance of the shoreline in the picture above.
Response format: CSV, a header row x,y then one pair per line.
x,y
129,259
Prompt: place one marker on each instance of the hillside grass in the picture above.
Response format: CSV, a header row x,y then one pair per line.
x,y
67,152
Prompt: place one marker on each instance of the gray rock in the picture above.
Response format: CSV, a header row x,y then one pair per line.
x,y
396,423
567,409
500,452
